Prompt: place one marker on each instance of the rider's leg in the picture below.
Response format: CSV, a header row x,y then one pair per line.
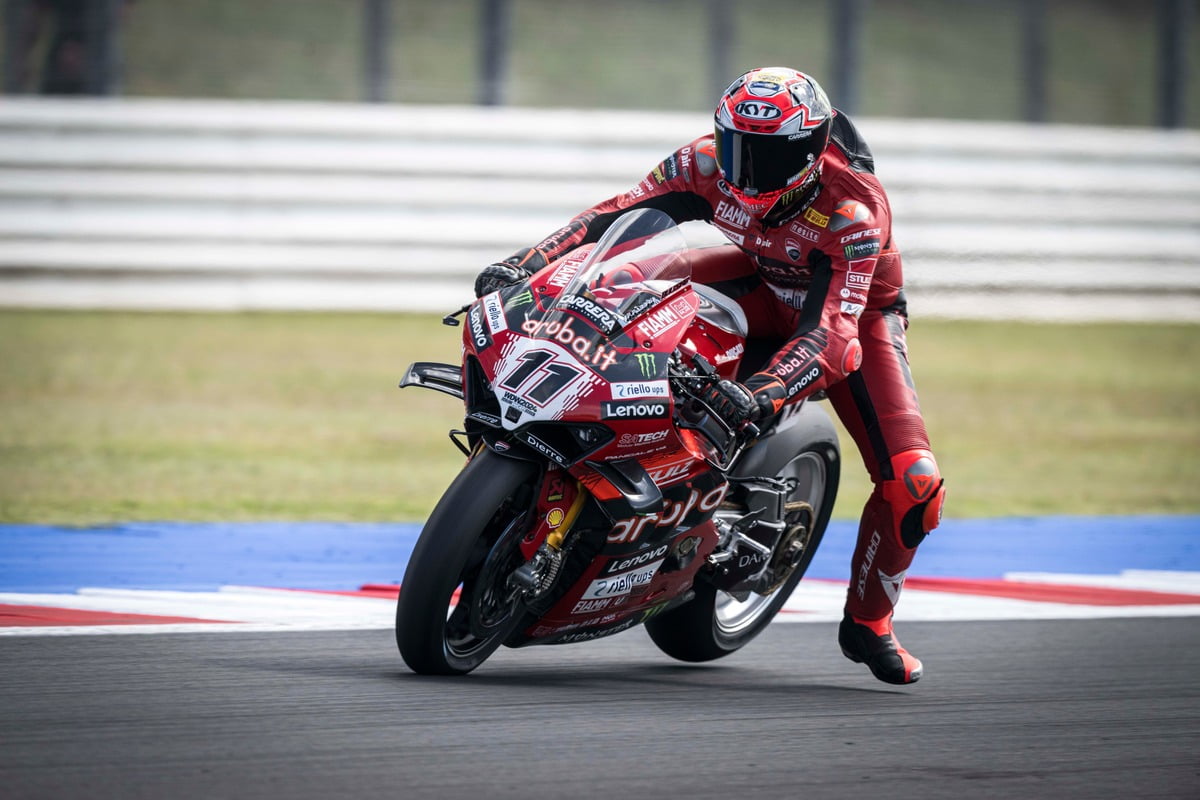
x,y
878,405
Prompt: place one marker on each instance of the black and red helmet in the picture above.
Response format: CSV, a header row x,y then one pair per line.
x,y
772,125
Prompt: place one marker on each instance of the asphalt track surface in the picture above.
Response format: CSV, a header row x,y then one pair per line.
x,y
1030,709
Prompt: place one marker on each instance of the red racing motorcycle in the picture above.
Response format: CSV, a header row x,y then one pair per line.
x,y
600,492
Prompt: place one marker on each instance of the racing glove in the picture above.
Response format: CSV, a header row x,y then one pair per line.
x,y
512,270
760,396
731,401
498,276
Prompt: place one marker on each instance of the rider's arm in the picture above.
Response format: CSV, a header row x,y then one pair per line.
x,y
824,348
669,187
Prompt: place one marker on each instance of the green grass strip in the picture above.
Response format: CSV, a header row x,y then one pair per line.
x,y
150,416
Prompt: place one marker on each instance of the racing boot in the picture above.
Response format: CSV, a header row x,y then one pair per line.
x,y
897,517
873,643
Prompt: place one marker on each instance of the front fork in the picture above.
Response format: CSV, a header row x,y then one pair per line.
x,y
559,504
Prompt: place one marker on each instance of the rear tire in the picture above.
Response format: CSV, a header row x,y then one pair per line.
x,y
471,544
715,623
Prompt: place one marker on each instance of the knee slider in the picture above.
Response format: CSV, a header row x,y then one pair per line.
x,y
915,494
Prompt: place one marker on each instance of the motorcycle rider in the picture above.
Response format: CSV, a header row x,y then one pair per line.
x,y
790,182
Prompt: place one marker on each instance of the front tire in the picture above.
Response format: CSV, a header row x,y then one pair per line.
x,y
469,545
715,623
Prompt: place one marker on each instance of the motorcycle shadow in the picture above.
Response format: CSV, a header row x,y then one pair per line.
x,y
599,678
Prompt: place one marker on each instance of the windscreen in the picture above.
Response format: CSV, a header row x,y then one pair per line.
x,y
641,256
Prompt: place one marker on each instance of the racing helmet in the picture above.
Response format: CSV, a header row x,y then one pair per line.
x,y
772,125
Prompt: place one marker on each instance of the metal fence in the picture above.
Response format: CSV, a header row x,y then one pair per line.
x,y
225,205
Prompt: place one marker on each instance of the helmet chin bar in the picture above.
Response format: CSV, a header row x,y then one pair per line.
x,y
772,208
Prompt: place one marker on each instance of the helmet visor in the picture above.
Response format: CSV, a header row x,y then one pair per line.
x,y
761,162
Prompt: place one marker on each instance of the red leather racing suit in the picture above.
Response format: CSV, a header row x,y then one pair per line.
x,y
822,289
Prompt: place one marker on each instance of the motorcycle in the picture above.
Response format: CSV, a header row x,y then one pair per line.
x,y
600,492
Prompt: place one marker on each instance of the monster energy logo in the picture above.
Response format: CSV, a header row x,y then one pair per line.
x,y
522,299
646,363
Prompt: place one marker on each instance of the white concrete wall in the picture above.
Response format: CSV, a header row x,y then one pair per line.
x,y
218,205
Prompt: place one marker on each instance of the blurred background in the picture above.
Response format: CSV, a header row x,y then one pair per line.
x,y
1041,156
1097,62
173,172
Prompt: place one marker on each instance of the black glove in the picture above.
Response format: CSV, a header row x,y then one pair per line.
x,y
498,276
731,401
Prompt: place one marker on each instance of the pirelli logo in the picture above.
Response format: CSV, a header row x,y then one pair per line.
x,y
816,218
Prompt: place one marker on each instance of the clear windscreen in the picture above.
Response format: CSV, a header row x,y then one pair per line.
x,y
641,257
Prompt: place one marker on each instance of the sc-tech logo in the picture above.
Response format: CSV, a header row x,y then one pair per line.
x,y
632,410
640,439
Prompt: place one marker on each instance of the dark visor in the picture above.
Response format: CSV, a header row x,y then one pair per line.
x,y
763,162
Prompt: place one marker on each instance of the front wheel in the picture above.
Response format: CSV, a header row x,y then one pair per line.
x,y
715,623
455,606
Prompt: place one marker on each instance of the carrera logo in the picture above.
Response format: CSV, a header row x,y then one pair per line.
x,y
755,110
592,312
632,410
732,214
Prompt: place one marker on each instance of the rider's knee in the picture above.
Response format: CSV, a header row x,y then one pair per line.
x,y
915,494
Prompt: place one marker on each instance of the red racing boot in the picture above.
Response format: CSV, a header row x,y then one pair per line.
x,y
897,517
872,642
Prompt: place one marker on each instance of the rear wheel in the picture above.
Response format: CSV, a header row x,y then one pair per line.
x,y
716,623
456,607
